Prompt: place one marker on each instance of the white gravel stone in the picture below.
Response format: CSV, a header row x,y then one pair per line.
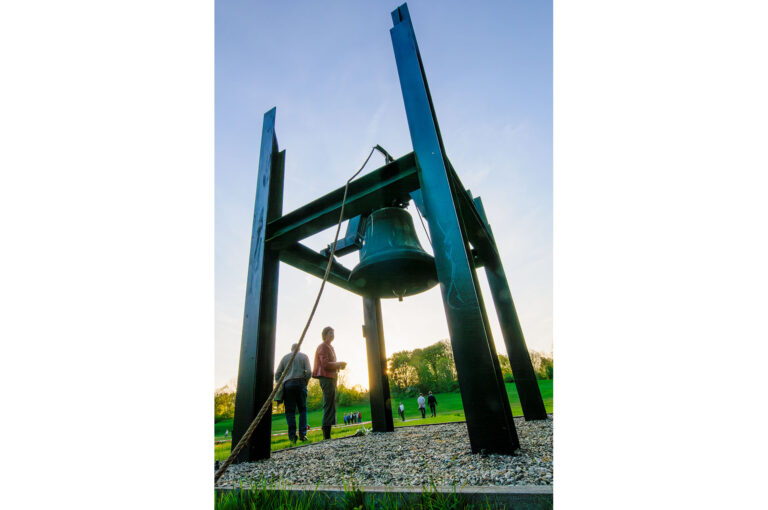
x,y
409,456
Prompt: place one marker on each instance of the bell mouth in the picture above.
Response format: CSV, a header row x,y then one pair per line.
x,y
411,273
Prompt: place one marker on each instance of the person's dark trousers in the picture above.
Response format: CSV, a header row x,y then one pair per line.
x,y
328,386
295,396
423,412
432,409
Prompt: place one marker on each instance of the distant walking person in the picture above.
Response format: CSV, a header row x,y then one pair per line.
x,y
359,417
401,410
295,391
432,401
326,370
422,408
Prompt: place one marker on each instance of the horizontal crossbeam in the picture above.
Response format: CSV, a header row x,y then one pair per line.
x,y
380,188
308,260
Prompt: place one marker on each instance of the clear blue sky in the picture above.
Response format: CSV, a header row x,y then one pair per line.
x,y
330,70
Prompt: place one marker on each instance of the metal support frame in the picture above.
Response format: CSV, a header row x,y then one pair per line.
x,y
517,350
378,382
380,188
257,348
352,240
309,261
462,241
486,405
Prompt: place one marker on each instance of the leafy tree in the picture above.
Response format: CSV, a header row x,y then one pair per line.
x,y
224,406
421,370
402,373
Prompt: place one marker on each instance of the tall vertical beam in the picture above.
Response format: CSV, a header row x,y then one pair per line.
x,y
517,350
499,377
489,420
378,382
257,347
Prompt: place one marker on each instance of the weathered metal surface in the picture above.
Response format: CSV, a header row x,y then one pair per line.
x,y
512,331
380,188
392,261
378,382
489,420
477,233
257,348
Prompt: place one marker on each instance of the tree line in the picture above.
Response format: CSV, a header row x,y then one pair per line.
x,y
430,368
433,369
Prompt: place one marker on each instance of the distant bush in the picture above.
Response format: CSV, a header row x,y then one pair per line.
x,y
351,396
411,391
314,395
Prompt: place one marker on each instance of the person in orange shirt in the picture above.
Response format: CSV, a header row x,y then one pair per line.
x,y
325,370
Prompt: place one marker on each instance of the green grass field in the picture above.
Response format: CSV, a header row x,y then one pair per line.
x,y
449,408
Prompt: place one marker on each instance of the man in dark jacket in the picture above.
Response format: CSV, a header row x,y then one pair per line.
x,y
432,401
295,391
326,369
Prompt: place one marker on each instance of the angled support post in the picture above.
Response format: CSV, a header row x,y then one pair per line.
x,y
378,382
257,347
517,350
486,405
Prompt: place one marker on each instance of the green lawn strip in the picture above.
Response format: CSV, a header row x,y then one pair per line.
x,y
440,418
264,495
221,451
447,404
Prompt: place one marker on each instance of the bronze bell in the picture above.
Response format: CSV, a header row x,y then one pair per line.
x,y
392,261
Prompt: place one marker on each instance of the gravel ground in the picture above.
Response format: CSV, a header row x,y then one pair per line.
x,y
409,456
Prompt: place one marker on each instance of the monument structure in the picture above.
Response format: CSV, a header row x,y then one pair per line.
x,y
392,265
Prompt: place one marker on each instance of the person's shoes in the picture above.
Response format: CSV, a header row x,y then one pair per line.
x,y
292,440
303,439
